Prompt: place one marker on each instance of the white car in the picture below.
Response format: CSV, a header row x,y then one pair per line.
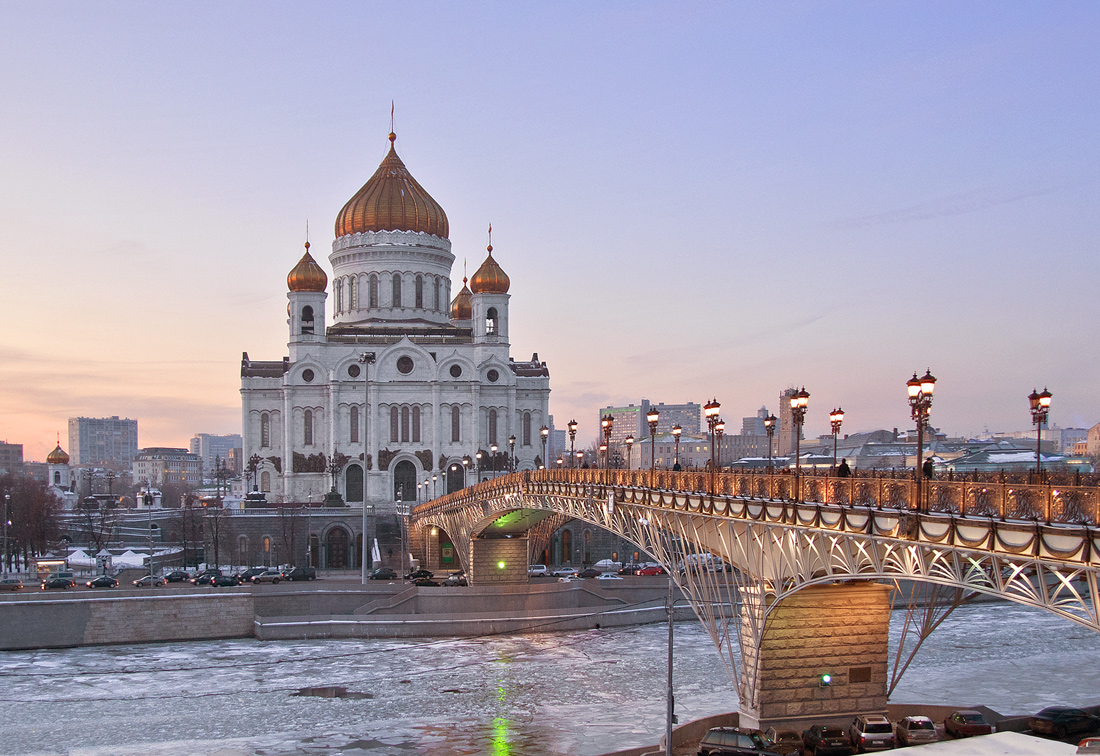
x,y
268,576
538,570
608,576
564,572
152,580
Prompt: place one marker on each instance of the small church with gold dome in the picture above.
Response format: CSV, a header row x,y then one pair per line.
x,y
390,382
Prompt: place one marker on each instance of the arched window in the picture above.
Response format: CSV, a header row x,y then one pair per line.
x,y
416,425
353,422
242,550
394,438
491,321
265,482
566,547
57,477
265,430
353,293
404,424
419,291
396,289
372,291
337,292
353,483
307,319
436,304
492,426
456,424
526,428
307,428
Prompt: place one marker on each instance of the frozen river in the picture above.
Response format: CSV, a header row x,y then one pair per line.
x,y
577,693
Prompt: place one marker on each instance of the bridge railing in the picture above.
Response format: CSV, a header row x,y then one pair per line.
x,y
990,496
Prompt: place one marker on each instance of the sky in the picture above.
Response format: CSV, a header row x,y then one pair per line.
x,y
692,200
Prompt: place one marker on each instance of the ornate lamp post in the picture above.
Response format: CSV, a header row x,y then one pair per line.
x,y
629,448
253,465
493,449
676,431
920,405
710,412
465,471
7,505
512,453
572,426
836,417
418,487
799,401
560,462
479,455
606,422
580,456
366,359
652,417
719,430
545,433
769,428
1040,408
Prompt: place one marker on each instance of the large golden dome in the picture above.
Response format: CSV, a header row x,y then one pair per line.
x,y
57,456
307,275
462,308
392,200
490,278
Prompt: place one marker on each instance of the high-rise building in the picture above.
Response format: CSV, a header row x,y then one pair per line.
x,y
11,457
631,419
103,440
210,448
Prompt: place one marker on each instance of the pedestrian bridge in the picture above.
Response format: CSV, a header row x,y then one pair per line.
x,y
801,616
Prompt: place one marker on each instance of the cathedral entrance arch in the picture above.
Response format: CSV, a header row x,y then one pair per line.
x,y
456,478
337,547
404,481
353,483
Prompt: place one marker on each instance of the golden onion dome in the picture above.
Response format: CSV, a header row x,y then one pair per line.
x,y
57,456
461,307
392,200
307,275
490,278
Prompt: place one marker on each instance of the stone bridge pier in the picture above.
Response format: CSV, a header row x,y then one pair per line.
x,y
497,561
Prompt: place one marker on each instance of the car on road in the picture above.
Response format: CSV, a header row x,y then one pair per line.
x,y
301,573
589,572
149,580
383,573
425,582
177,576
1060,721
11,584
538,570
561,572
734,741
245,576
826,740
965,723
224,581
872,732
456,579
203,578
784,742
916,730
421,573
608,576
58,582
272,576
650,569
103,581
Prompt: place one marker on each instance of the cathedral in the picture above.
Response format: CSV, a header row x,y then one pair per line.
x,y
405,384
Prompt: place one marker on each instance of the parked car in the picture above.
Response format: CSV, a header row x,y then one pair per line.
x,y
149,580
421,573
784,742
425,582
916,730
58,582
224,581
826,740
245,576
965,723
650,569
1089,746
383,573
561,572
178,576
272,575
11,584
590,572
103,581
608,576
1060,721
872,732
734,741
538,570
203,578
456,579
301,573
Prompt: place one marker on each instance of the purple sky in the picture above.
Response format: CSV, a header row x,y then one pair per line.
x,y
691,200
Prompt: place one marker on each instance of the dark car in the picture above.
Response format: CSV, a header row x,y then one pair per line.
x,y
1060,721
178,576
245,576
826,740
224,581
300,573
591,572
734,741
425,582
204,577
784,742
966,723
383,573
421,573
58,582
103,581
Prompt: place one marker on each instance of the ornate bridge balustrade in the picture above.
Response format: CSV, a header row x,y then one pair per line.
x,y
1032,545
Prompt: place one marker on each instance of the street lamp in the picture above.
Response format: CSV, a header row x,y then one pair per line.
x,y
652,417
710,412
545,433
512,453
493,448
676,431
769,428
1040,407
605,423
434,479
629,448
418,487
479,455
579,457
836,417
799,401
920,403
572,426
465,471
719,429
7,504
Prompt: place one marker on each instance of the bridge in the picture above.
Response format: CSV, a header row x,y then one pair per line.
x,y
792,576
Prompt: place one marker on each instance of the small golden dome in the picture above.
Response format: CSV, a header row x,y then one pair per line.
x,y
392,200
57,456
461,307
490,278
307,275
